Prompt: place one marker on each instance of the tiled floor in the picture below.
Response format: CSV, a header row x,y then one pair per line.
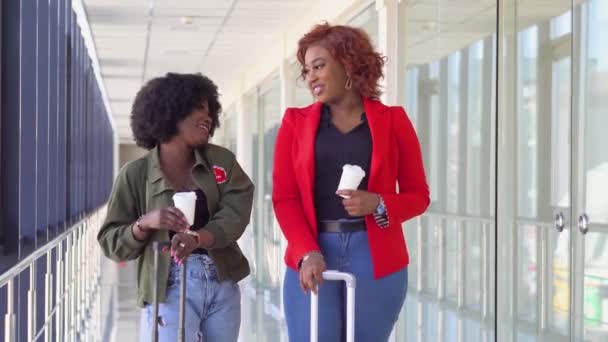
x,y
127,322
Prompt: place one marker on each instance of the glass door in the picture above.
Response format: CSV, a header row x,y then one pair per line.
x,y
270,260
590,166
535,266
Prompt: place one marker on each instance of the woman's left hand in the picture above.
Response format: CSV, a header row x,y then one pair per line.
x,y
182,245
360,203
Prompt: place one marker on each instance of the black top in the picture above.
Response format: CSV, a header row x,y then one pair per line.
x,y
201,217
333,149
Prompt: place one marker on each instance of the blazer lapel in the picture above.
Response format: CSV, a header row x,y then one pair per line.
x,y
307,136
312,116
379,126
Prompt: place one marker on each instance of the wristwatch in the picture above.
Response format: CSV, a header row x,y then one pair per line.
x,y
381,209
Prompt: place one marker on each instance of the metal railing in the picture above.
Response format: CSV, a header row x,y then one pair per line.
x,y
71,288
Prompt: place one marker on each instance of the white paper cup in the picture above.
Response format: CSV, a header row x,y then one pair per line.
x,y
186,203
352,175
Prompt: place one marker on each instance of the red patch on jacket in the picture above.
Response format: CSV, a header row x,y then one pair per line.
x,y
220,174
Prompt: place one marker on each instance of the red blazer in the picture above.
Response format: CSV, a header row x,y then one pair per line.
x,y
396,159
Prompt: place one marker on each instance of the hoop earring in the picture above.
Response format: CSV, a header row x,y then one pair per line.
x,y
349,84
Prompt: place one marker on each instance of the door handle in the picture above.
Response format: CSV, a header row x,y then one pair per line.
x,y
583,223
559,222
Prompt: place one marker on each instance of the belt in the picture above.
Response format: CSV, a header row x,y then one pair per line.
x,y
342,226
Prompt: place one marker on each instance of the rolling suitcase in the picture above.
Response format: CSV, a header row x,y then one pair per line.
x,y
351,284
158,247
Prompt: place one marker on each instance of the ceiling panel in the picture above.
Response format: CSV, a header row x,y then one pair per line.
x,y
214,36
181,36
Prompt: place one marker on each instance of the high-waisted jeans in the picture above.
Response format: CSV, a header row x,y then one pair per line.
x,y
378,302
213,308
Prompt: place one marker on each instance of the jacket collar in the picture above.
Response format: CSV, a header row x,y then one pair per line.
x,y
155,173
371,107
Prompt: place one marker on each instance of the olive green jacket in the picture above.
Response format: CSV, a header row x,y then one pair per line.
x,y
140,187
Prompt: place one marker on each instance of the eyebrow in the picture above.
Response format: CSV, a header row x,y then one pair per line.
x,y
316,59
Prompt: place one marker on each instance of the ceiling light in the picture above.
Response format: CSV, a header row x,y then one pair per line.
x,y
186,20
429,25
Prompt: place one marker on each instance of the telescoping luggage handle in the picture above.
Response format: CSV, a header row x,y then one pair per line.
x,y
351,284
158,247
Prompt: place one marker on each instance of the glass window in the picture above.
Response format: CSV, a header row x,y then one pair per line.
x,y
593,94
301,96
269,240
368,21
450,97
228,121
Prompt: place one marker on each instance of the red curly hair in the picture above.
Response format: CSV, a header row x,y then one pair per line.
x,y
352,47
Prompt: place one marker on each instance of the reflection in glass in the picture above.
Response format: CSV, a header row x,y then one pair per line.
x,y
473,266
527,272
269,104
596,118
411,236
430,248
368,21
559,286
301,94
595,296
429,324
527,140
454,133
594,98
228,120
451,255
450,98
543,168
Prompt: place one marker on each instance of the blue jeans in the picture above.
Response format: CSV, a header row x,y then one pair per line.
x,y
377,301
213,309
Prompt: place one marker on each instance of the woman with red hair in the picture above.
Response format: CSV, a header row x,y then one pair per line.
x,y
355,230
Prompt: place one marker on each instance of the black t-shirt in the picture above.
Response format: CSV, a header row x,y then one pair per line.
x,y
333,149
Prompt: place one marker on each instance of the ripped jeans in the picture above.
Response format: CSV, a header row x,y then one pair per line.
x,y
213,309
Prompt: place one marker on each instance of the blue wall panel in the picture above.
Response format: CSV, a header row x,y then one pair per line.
x,y
27,125
10,124
56,140
53,115
42,123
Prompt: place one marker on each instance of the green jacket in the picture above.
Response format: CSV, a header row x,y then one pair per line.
x,y
140,187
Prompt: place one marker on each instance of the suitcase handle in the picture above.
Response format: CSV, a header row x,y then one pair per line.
x,y
158,248
351,283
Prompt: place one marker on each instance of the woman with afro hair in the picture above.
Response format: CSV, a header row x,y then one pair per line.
x,y
173,117
355,230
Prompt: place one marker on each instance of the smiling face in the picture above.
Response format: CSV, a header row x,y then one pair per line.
x,y
325,75
194,129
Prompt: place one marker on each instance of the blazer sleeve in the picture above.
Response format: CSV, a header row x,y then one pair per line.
x,y
413,196
286,197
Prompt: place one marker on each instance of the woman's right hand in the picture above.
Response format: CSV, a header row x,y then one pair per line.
x,y
311,272
165,218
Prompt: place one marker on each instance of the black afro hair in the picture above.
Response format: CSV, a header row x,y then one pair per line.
x,y
165,101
